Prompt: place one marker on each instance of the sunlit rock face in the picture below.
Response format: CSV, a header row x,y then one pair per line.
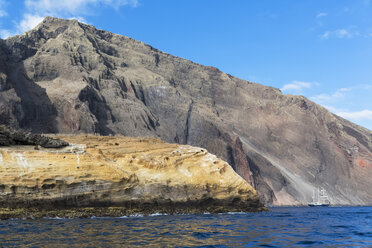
x,y
96,171
68,77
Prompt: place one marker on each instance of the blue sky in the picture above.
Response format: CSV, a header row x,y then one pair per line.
x,y
319,49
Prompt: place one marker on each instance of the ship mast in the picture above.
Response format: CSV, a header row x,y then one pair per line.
x,y
313,195
323,196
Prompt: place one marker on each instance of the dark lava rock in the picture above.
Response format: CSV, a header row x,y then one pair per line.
x,y
9,136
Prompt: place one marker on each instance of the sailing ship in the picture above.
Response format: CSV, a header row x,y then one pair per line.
x,y
322,199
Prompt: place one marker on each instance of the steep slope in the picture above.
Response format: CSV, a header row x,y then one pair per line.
x,y
143,175
68,77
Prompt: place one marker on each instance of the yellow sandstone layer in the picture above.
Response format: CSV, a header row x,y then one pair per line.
x,y
119,175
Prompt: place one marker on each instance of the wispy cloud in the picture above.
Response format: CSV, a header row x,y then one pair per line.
x,y
352,103
73,7
329,98
6,33
296,86
341,33
354,116
36,10
319,20
28,22
321,14
357,115
3,8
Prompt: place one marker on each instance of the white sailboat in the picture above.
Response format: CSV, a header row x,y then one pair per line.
x,y
322,199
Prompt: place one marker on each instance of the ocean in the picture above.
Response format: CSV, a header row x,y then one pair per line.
x,y
281,227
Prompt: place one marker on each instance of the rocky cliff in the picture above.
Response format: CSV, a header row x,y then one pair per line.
x,y
68,77
129,175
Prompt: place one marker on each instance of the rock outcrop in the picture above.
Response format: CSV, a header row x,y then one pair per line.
x,y
9,136
119,176
68,77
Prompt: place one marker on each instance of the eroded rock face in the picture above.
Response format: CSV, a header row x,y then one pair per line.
x,y
68,77
147,175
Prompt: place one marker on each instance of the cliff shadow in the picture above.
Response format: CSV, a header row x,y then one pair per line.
x,y
38,112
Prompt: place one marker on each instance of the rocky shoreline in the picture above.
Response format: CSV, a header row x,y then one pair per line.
x,y
118,176
134,209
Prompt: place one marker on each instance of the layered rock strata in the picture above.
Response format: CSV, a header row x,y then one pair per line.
x,y
68,77
118,176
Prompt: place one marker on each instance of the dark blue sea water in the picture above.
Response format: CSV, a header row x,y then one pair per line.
x,y
282,227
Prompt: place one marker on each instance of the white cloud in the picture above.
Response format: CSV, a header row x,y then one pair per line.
x,y
352,103
73,7
296,86
36,10
341,33
5,33
328,98
321,14
79,18
356,116
325,35
29,22
330,108
363,117
2,8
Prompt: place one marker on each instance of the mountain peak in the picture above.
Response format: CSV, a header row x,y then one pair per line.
x,y
50,20
51,24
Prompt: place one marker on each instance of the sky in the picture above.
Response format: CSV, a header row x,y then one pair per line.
x,y
319,49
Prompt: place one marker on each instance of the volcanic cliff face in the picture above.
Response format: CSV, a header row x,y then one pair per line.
x,y
68,77
144,175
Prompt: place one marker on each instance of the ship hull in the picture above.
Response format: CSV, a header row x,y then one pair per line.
x,y
318,205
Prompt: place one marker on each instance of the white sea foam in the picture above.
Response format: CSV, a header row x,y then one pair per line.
x,y
54,218
136,215
157,214
141,215
131,216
